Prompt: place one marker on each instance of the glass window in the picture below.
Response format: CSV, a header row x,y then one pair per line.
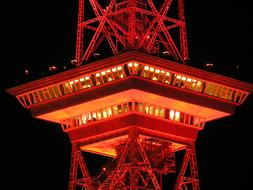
x,y
130,106
146,109
56,91
125,107
150,73
121,72
104,77
109,111
172,114
88,81
109,75
167,78
99,115
30,95
67,88
51,91
229,94
84,119
115,73
210,89
21,99
104,113
161,76
177,116
115,110
94,116
46,94
145,71
151,110
41,94
161,112
98,79
141,107
157,111
119,109
36,97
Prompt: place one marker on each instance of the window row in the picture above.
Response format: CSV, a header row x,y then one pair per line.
x,y
141,107
132,68
71,86
186,82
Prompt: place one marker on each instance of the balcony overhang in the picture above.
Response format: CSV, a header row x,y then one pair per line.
x,y
128,89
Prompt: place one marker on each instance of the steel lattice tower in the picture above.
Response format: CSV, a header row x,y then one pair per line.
x,y
142,25
134,106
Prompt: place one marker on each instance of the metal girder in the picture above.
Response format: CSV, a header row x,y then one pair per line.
x,y
77,162
133,168
192,181
130,25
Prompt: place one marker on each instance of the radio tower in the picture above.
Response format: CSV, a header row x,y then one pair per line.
x,y
138,106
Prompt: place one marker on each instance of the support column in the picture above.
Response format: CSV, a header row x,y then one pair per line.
x,y
73,168
183,181
78,164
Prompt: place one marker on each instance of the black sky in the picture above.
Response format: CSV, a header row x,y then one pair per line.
x,y
35,154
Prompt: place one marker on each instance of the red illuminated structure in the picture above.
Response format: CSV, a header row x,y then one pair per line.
x,y
135,107
124,25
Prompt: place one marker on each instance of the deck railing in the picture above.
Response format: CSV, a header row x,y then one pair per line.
x,y
137,69
133,106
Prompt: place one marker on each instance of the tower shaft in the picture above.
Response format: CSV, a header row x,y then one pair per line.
x,y
115,26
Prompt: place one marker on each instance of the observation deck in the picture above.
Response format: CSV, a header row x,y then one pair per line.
x,y
97,103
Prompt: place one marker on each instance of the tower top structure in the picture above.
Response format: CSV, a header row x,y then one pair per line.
x,y
135,107
116,26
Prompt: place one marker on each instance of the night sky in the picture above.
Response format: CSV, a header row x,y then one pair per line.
x,y
37,34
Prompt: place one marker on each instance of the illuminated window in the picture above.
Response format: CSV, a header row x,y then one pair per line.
x,y
146,109
161,76
115,110
161,112
99,115
172,114
109,111
145,71
167,78
46,94
89,116
98,79
125,107
156,111
136,105
210,89
151,110
104,113
115,73
121,72
150,73
177,116
94,116
52,93
109,76
119,109
67,88
84,119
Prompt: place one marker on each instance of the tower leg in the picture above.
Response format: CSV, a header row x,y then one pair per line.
x,y
73,168
78,164
192,181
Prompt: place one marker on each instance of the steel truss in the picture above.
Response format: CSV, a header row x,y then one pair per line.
x,y
140,164
84,181
143,25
